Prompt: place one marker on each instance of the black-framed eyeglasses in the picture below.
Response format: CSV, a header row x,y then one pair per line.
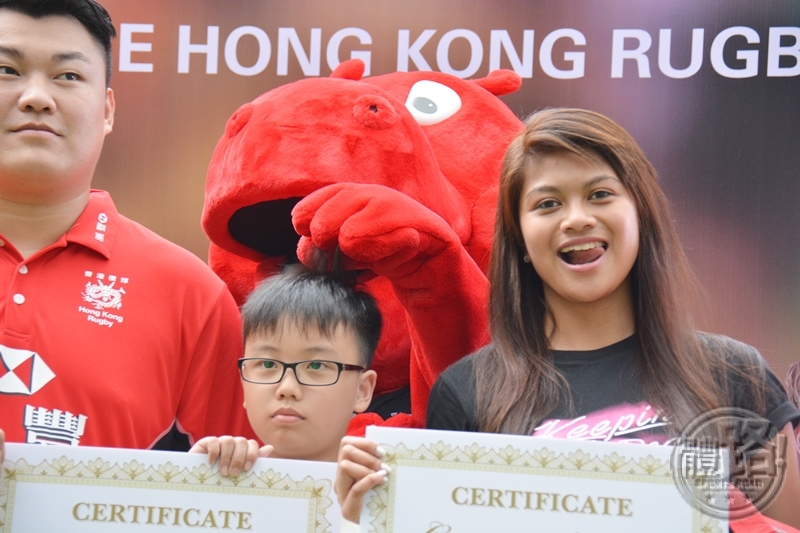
x,y
314,373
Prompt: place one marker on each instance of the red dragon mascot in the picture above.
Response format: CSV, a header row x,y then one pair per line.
x,y
399,172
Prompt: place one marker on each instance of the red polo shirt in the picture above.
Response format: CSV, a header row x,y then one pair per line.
x,y
111,335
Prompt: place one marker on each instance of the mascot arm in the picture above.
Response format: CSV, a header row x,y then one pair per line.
x,y
442,289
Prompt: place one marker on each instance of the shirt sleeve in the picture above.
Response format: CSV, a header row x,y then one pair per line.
x,y
212,399
348,527
446,407
778,409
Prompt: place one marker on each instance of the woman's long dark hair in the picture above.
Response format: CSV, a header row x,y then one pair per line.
x,y
517,383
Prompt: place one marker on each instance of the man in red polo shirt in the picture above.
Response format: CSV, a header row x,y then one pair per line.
x,y
109,334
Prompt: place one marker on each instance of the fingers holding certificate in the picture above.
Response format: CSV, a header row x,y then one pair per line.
x,y
234,453
360,469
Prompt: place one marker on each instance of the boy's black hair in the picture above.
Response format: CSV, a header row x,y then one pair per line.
x,y
89,13
313,299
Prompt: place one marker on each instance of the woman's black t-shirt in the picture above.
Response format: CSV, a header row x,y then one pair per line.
x,y
608,402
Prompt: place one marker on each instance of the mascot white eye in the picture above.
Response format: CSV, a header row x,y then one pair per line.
x,y
430,102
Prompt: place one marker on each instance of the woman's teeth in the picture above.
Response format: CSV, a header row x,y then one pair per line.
x,y
581,247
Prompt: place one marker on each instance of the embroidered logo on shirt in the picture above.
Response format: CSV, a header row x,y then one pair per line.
x,y
53,427
104,294
23,372
100,233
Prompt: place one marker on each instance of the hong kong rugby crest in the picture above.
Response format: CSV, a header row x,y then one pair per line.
x,y
104,293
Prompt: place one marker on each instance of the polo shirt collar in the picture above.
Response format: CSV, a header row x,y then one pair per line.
x,y
97,225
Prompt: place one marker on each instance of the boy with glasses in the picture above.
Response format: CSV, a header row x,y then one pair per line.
x,y
309,340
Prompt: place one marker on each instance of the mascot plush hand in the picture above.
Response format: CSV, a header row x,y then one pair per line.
x,y
399,173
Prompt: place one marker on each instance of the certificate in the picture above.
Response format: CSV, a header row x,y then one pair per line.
x,y
84,489
453,482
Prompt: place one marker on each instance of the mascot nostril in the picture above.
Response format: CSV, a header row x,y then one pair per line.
x,y
267,227
374,112
239,119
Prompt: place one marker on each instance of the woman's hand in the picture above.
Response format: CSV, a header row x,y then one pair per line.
x,y
234,453
360,468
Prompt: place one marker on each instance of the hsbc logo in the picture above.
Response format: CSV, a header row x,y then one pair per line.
x,y
22,372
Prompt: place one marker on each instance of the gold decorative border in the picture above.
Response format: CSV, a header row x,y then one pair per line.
x,y
512,460
134,474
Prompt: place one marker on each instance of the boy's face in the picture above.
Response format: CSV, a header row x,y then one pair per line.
x,y
55,108
301,421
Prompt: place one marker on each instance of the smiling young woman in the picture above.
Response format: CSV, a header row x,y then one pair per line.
x,y
591,335
580,231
